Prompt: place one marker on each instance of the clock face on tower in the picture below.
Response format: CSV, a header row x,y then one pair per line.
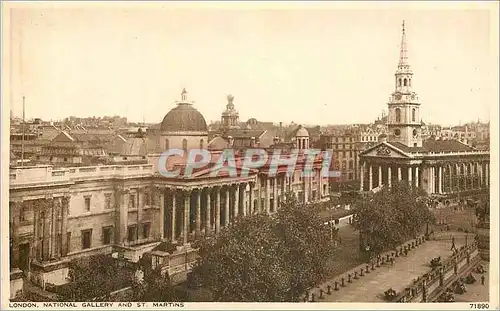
x,y
397,132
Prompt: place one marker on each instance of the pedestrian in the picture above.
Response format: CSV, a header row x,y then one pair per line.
x,y
482,279
453,247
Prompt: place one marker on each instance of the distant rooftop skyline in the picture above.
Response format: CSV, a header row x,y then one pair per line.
x,y
315,66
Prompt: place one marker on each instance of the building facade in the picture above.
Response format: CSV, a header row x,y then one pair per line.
x,y
65,213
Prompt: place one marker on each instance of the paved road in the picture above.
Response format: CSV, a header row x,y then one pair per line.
x,y
371,287
476,292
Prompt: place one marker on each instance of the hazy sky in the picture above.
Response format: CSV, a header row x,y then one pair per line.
x,y
315,65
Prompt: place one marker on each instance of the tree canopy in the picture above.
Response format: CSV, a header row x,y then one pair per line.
x,y
391,216
266,258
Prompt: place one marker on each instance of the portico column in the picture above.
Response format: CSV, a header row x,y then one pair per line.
x,y
64,225
236,201
480,174
487,175
217,209
370,177
36,233
198,212
361,176
15,208
440,180
416,177
275,194
208,219
379,175
399,173
267,195
259,186
174,208
244,204
159,193
226,210
389,175
409,175
187,208
431,180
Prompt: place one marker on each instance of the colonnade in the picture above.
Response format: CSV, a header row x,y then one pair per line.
x,y
437,177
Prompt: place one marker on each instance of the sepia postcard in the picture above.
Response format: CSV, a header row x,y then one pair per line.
x,y
249,155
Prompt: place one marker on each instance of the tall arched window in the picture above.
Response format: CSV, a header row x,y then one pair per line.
x,y
399,84
167,144
398,115
201,144
351,164
184,144
405,82
413,113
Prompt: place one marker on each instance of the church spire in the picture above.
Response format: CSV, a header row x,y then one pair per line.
x,y
403,57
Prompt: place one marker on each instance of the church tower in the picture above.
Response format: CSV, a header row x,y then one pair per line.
x,y
404,116
230,117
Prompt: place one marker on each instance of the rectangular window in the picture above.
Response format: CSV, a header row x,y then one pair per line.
x,y
146,228
68,242
350,153
343,154
131,202
147,198
107,233
107,200
22,213
132,233
87,203
86,238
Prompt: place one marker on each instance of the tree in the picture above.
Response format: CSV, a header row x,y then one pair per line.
x,y
306,245
266,258
94,278
391,216
154,287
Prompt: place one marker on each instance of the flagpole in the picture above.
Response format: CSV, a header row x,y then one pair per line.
x,y
22,140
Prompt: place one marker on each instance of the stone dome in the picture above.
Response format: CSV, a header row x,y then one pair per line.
x,y
302,132
184,118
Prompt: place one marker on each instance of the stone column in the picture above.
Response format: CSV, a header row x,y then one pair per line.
x,y
236,200
198,212
64,225
480,174
159,193
245,200
226,210
440,179
267,184
399,174
275,194
487,174
46,228
409,175
389,176
416,177
379,175
361,176
53,232
36,231
187,210
431,180
258,207
370,176
208,218
173,220
217,209
15,208
450,172
140,201
56,210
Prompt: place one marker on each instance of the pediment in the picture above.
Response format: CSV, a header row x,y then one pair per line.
x,y
220,171
384,150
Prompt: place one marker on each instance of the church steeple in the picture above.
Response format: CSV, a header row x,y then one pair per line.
x,y
403,57
403,105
